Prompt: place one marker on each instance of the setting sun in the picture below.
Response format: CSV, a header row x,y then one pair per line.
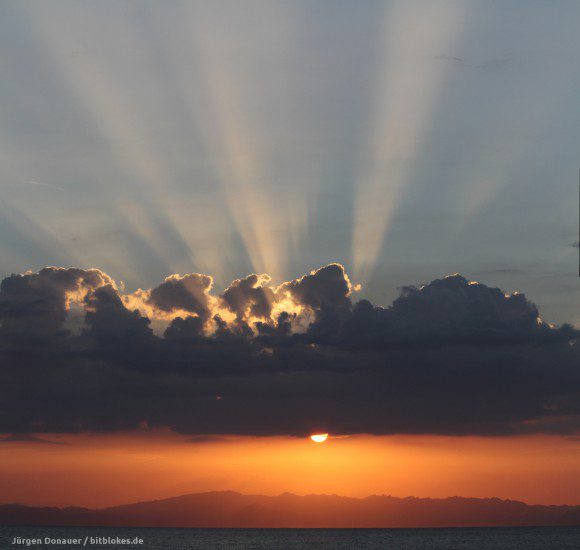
x,y
319,438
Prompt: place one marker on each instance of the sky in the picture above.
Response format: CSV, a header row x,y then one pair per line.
x,y
405,140
227,226
99,471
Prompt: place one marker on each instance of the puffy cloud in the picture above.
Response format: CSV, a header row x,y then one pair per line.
x,y
111,323
281,330
447,311
250,297
180,328
189,293
37,303
327,288
450,357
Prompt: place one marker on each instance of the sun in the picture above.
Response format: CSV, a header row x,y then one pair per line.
x,y
319,438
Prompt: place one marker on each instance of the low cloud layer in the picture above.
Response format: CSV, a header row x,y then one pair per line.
x,y
448,357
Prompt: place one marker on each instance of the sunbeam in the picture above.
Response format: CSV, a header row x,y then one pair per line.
x,y
113,111
408,83
270,215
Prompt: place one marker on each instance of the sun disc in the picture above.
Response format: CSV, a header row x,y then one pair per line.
x,y
319,438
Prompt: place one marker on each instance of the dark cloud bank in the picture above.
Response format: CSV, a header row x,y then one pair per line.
x,y
450,357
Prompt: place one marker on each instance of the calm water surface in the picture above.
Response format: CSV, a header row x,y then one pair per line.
x,y
518,538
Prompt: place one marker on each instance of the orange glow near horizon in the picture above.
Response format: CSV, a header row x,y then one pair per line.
x,y
103,470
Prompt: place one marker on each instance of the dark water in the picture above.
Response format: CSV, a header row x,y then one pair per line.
x,y
517,538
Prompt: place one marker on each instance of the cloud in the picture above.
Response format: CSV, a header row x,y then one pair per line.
x,y
462,62
448,357
189,293
326,288
503,271
207,439
179,329
448,311
44,184
37,303
27,438
250,297
111,323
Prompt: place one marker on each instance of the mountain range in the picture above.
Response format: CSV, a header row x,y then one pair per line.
x,y
231,509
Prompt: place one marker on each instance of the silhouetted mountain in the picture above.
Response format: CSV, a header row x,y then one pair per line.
x,y
230,509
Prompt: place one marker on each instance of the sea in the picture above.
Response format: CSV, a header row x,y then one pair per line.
x,y
489,538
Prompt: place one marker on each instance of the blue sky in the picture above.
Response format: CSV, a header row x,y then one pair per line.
x,y
406,140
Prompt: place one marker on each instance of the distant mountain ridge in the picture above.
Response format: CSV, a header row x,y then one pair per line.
x,y
231,509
